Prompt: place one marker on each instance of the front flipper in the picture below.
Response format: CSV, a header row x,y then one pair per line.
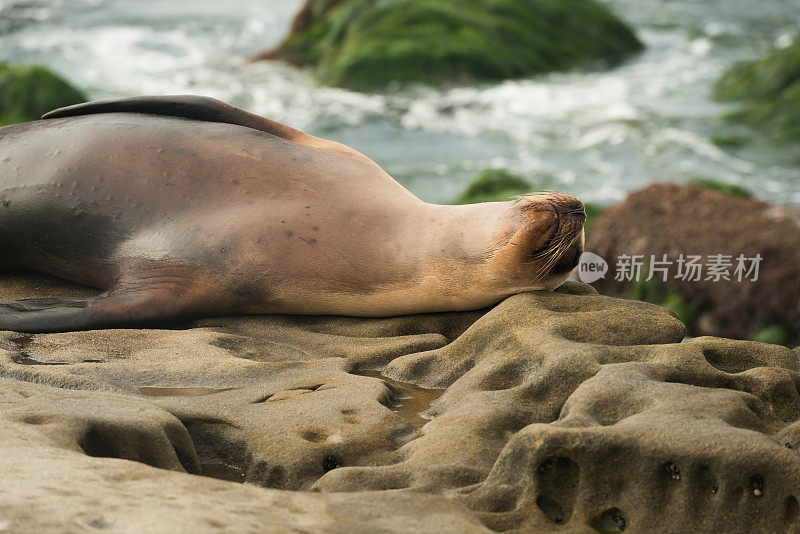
x,y
46,315
111,310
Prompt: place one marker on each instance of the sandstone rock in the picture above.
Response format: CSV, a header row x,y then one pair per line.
x,y
566,408
52,484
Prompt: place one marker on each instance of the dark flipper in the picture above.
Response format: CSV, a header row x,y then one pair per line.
x,y
198,108
46,315
110,310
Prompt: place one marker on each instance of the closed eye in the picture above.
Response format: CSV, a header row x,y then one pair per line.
x,y
546,246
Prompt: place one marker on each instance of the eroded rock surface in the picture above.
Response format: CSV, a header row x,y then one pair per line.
x,y
566,409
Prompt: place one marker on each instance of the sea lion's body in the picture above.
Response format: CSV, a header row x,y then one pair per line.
x,y
185,207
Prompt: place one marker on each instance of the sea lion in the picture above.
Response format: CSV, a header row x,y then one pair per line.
x,y
183,207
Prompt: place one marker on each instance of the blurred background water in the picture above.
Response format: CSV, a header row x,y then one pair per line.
x,y
594,134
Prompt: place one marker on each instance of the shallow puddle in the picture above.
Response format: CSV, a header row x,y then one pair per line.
x,y
180,392
412,399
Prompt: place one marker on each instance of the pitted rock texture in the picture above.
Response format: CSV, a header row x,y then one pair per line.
x,y
565,410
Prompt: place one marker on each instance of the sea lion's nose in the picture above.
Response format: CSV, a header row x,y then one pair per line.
x,y
579,211
572,206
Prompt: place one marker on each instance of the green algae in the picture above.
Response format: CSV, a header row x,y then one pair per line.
x,y
29,91
368,44
769,91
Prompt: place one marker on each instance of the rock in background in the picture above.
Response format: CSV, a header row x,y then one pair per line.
x,y
29,91
557,409
769,91
675,219
497,185
364,44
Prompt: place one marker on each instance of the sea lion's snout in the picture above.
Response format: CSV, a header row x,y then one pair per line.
x,y
579,212
555,224
572,217
567,205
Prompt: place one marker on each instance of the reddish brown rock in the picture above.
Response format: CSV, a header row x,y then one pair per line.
x,y
675,219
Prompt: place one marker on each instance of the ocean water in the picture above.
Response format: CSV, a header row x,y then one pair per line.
x,y
594,134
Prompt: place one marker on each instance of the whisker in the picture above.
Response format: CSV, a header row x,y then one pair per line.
x,y
554,253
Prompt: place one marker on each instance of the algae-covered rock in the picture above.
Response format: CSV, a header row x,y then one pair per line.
x,y
723,187
770,90
364,44
29,91
655,291
775,334
494,185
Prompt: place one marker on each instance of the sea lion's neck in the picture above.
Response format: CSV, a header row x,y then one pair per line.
x,y
455,244
464,231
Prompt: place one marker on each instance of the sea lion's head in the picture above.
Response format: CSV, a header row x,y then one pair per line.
x,y
541,241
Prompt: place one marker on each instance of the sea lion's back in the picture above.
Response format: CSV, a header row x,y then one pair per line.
x,y
85,183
